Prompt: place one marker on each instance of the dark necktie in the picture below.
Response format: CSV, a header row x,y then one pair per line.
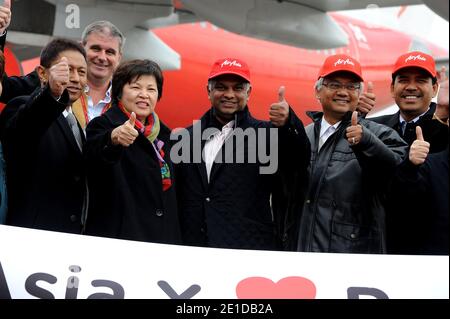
x,y
409,133
72,121
73,124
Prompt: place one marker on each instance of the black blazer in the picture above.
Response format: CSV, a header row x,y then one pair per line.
x,y
45,167
399,202
240,207
423,231
127,200
434,132
14,86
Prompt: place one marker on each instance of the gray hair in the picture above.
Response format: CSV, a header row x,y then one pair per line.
x,y
106,28
319,83
212,83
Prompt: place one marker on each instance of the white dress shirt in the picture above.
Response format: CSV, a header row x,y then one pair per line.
x,y
214,144
326,130
96,110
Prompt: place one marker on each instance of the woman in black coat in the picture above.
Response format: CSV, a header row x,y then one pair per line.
x,y
130,174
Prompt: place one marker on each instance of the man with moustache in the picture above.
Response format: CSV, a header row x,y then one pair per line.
x,y
415,82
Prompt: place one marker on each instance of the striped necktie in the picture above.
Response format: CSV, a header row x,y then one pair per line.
x,y
71,120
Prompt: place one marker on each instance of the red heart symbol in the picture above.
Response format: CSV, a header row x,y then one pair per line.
x,y
286,288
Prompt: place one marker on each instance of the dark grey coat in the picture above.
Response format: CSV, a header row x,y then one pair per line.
x,y
343,211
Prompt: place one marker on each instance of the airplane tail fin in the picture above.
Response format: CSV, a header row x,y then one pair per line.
x,y
419,21
402,18
407,17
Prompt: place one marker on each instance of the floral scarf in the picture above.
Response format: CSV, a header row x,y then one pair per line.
x,y
151,132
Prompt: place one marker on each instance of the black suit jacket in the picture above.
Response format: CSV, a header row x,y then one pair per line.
x,y
234,209
434,132
14,86
401,231
45,167
426,231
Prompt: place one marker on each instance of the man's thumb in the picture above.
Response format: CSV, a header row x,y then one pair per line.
x,y
7,4
419,133
281,92
132,119
355,118
442,75
370,87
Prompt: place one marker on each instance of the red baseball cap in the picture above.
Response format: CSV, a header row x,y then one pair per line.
x,y
416,59
230,66
340,63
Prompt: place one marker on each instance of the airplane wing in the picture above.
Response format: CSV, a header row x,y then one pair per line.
x,y
300,23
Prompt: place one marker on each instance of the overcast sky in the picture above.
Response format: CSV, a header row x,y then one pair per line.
x,y
418,20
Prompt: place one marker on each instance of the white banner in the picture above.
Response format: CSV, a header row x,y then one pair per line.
x,y
42,264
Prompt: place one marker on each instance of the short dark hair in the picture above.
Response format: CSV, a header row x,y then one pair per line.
x,y
2,64
52,50
134,69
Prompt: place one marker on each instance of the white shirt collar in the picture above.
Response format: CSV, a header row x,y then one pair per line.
x,y
108,92
402,119
228,125
324,126
67,110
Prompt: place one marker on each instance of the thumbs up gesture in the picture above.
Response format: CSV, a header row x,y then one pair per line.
x,y
279,112
5,15
354,132
366,100
59,77
125,134
442,98
419,149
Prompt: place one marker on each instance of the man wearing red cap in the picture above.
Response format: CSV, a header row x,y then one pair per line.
x,y
414,83
352,160
238,203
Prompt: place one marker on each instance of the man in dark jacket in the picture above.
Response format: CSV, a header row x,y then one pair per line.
x,y
424,177
42,145
351,162
414,84
230,194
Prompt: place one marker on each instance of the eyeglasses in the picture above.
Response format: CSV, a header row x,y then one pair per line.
x,y
335,86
